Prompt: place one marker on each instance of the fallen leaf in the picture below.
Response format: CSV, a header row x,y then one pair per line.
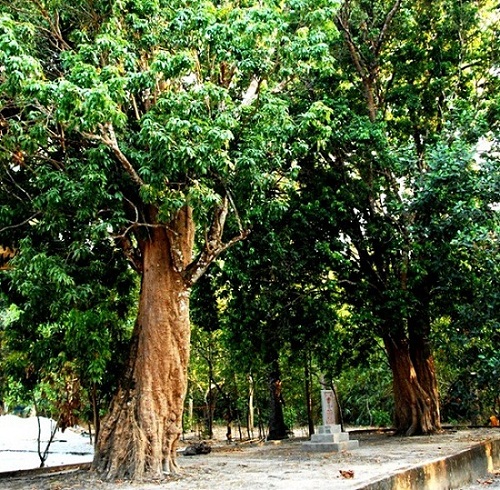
x,y
347,473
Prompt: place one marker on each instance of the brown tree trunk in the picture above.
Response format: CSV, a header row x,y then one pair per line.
x,y
308,388
277,427
420,351
415,397
139,436
95,411
251,408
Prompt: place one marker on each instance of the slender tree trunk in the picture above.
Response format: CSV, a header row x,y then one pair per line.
x,y
139,436
307,387
251,409
95,411
210,405
413,395
189,427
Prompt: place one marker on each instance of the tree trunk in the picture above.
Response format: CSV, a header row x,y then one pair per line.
x,y
277,428
420,351
251,410
95,411
139,436
308,387
210,404
414,396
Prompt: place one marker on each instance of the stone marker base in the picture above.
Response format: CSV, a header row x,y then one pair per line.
x,y
330,438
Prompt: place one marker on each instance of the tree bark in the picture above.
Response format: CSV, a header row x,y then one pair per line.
x,y
139,436
419,326
415,397
277,427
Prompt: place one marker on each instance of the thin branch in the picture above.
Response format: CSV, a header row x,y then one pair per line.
x,y
54,26
55,163
131,252
353,49
217,227
108,137
197,268
135,225
385,26
342,23
230,243
134,105
111,140
235,209
27,220
136,209
17,186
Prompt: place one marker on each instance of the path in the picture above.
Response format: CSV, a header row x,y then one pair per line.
x,y
285,465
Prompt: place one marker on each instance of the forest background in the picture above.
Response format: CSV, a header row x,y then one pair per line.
x,y
316,182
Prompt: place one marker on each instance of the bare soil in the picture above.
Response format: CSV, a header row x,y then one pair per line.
x,y
285,465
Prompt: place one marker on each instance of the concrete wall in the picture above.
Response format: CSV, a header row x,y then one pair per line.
x,y
446,474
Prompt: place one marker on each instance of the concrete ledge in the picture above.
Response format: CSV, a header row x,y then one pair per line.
x,y
47,470
449,473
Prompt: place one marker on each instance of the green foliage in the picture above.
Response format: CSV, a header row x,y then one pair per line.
x,y
62,320
365,393
346,139
113,117
467,354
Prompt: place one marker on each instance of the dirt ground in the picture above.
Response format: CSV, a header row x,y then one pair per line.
x,y
285,465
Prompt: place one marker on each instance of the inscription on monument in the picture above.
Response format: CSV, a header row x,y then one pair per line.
x,y
329,407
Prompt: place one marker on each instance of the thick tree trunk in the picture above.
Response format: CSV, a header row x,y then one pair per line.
x,y
420,351
415,396
426,374
277,427
139,436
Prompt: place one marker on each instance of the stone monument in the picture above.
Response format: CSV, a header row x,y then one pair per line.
x,y
330,436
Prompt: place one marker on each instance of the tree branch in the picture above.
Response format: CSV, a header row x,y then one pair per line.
x,y
27,220
385,26
359,63
132,253
55,29
16,186
214,245
108,137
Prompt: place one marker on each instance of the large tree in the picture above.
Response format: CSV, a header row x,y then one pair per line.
x,y
142,124
393,112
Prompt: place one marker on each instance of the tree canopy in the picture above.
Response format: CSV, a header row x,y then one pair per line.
x,y
351,147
